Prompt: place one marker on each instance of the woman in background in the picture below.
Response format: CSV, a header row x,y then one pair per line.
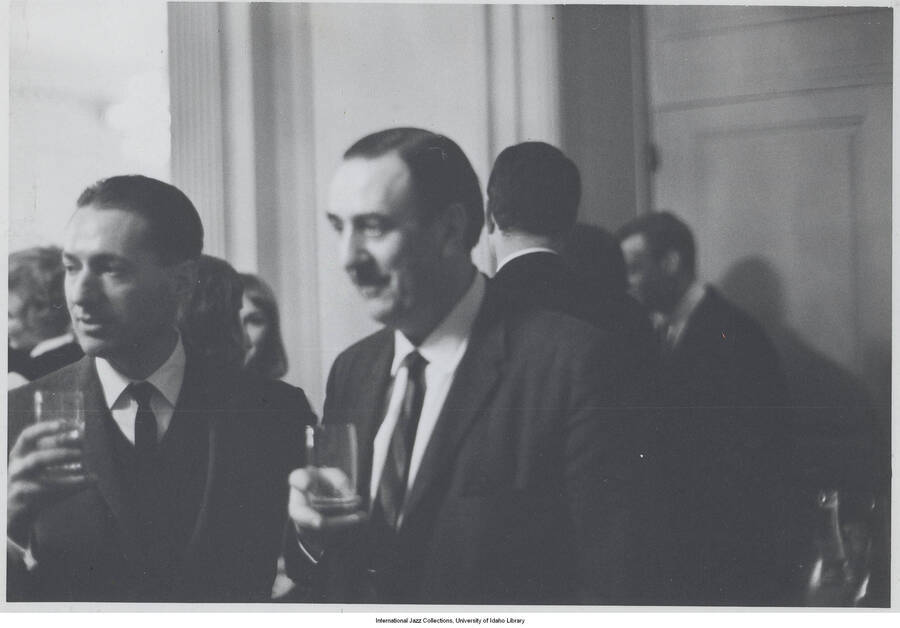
x,y
265,352
210,323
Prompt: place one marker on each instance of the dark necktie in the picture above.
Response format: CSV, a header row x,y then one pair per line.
x,y
144,423
149,492
392,487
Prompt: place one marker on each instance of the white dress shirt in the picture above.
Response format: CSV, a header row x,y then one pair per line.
x,y
166,380
531,249
443,349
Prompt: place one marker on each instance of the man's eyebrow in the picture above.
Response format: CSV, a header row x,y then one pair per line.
x,y
101,258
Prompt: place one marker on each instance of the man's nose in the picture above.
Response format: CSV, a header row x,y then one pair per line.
x,y
81,287
352,249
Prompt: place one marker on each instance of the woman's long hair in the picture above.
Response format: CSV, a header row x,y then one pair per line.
x,y
270,360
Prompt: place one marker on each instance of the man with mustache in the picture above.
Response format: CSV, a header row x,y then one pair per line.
x,y
174,491
494,448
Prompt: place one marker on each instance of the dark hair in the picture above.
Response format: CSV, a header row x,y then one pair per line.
x,y
534,188
664,232
271,359
441,172
211,322
37,276
175,226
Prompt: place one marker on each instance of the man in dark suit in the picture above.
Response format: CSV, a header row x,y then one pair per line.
x,y
174,491
532,205
723,485
713,354
494,451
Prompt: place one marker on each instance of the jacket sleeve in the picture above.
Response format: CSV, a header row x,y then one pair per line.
x,y
602,454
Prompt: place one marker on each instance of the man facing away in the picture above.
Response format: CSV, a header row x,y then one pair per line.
x,y
532,206
174,489
727,527
494,455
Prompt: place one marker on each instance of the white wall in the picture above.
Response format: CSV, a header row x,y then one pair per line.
x,y
88,98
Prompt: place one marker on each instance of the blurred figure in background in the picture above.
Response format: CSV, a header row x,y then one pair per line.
x,y
211,323
595,255
726,530
40,336
264,348
713,353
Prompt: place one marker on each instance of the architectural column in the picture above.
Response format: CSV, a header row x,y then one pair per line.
x,y
196,106
243,151
604,127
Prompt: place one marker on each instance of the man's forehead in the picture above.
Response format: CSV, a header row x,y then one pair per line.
x,y
367,184
116,230
635,244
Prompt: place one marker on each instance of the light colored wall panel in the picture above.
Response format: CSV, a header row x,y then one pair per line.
x,y
799,221
691,21
834,49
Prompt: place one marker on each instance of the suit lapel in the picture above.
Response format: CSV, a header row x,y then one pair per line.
x,y
98,459
369,409
476,377
203,398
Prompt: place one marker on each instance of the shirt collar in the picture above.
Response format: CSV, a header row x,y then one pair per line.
x,y
444,346
52,343
685,308
167,379
531,249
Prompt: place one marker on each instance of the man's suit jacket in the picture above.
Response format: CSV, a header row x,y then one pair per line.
x,y
724,528
546,281
724,358
522,495
86,543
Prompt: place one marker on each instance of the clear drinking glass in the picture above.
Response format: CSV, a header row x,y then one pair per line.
x,y
331,453
68,407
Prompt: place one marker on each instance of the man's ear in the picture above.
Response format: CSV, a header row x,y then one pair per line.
x,y
671,263
454,236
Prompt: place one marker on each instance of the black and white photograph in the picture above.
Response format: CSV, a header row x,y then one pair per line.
x,y
456,308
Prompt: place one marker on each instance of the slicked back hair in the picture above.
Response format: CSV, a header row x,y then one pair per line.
x,y
441,172
176,231
534,188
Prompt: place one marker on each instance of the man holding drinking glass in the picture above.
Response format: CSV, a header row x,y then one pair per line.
x,y
495,447
173,488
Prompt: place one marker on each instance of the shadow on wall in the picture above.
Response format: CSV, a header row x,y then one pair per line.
x,y
829,402
841,442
